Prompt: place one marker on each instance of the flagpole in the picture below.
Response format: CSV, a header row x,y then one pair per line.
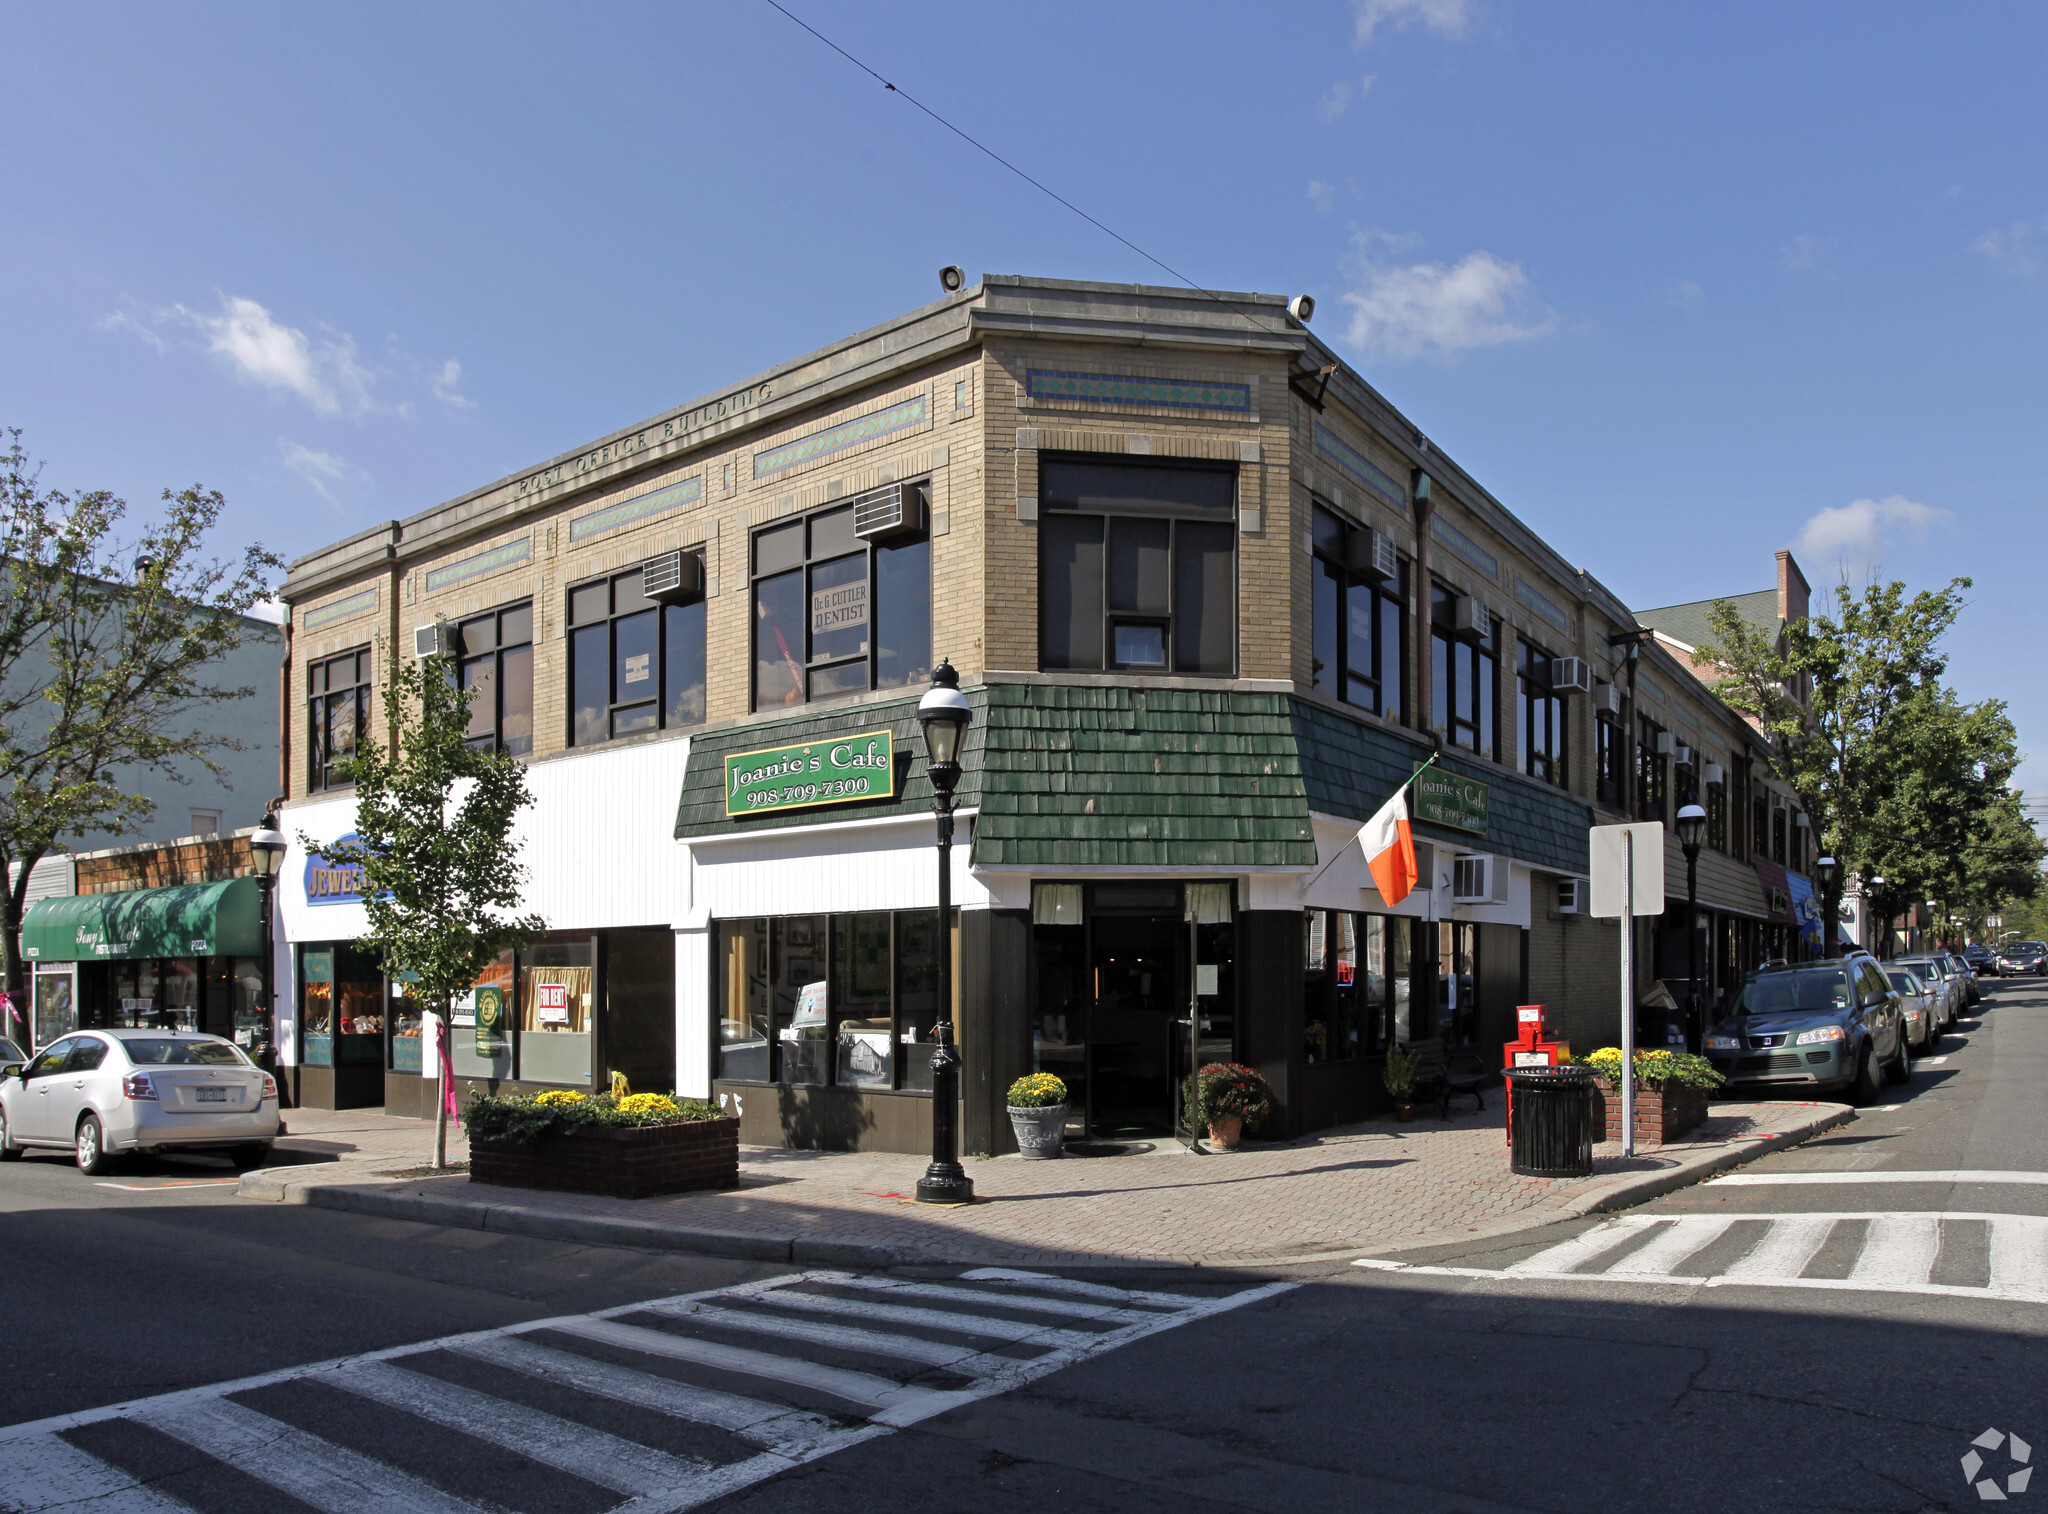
x,y
1310,881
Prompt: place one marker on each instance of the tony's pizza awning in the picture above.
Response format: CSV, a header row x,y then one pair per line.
x,y
185,920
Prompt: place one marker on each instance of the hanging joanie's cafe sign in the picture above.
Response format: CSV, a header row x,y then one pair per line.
x,y
817,772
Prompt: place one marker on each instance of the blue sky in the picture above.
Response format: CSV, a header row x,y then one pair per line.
x,y
1682,285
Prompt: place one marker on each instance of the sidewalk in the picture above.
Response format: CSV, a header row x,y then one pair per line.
x,y
1367,1188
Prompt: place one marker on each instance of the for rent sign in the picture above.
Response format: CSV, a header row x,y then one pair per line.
x,y
840,771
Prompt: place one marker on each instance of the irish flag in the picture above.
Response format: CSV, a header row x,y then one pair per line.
x,y
1388,842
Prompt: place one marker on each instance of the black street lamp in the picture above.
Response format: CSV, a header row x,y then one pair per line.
x,y
1691,824
266,857
1825,869
944,715
1884,921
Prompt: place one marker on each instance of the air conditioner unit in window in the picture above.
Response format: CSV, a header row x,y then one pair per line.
x,y
1683,756
890,512
1470,619
437,640
1666,744
1477,878
1606,699
1571,896
1371,553
672,577
1571,675
1714,774
1777,800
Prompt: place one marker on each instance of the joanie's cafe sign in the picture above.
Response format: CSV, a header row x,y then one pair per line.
x,y
840,771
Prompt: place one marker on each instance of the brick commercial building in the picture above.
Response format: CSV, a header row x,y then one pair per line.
x,y
1211,599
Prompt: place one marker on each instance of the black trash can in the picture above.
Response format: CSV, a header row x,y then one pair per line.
x,y
1553,1125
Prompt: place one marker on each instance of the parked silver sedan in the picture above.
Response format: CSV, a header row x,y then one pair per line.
x,y
102,1093
1941,977
1922,1000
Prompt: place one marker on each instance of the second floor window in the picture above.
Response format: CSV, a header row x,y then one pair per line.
x,y
1543,717
1760,822
1137,567
337,714
837,614
1466,675
1607,759
1779,827
634,665
1359,627
1650,772
496,659
1716,802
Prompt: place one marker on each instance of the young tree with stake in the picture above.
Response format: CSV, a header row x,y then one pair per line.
x,y
440,870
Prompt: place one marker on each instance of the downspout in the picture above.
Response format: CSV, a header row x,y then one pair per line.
x,y
1425,653
284,715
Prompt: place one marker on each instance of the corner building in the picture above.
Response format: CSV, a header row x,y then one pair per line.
x,y
1211,599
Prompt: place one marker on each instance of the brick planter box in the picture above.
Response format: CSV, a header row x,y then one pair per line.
x,y
621,1162
1662,1114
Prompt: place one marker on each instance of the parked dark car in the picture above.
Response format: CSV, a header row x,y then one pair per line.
x,y
1814,1027
1982,959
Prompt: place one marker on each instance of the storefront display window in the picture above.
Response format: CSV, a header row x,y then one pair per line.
x,y
342,1007
1457,992
56,1012
640,1007
481,1024
1354,985
557,1000
408,1026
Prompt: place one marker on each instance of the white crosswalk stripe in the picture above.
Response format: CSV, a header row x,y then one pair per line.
x,y
678,1358
1893,1253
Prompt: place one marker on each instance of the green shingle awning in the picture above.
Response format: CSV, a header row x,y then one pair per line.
x,y
186,920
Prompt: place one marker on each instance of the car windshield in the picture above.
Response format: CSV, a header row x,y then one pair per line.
x,y
1794,993
168,1053
9,1052
1906,983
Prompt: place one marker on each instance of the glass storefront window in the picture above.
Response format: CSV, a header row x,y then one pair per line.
x,y
557,1001
798,998
341,999
743,1019
408,1026
1457,995
316,1006
917,994
640,1006
1354,985
861,1018
55,1007
481,1028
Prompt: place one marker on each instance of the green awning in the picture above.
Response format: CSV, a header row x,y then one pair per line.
x,y
188,920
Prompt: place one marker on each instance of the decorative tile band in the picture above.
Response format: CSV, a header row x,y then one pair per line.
x,y
484,562
903,417
1464,546
1644,686
1686,717
626,511
1355,463
1542,605
341,609
1116,389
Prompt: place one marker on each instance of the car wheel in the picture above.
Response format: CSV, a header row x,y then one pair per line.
x,y
9,1152
1901,1069
91,1146
1867,1089
246,1157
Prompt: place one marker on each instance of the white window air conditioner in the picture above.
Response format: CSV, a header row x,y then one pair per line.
x,y
1683,756
672,577
1571,896
436,640
889,513
1666,744
1477,878
1714,774
1370,554
1799,820
1571,675
1777,800
1470,619
1606,699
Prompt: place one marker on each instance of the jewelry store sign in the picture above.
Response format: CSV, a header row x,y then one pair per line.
x,y
841,771
1445,799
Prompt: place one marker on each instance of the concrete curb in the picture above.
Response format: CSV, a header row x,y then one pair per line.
x,y
392,1201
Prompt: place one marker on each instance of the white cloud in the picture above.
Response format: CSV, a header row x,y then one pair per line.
x,y
1322,195
1685,294
1365,86
125,320
1447,18
1804,250
270,608
2016,249
1438,309
1333,105
448,386
258,349
1851,535
323,470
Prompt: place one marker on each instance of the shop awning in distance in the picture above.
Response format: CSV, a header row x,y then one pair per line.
x,y
186,920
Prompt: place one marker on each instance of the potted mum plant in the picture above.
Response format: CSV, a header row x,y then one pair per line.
x,y
1399,1077
1038,1114
1229,1098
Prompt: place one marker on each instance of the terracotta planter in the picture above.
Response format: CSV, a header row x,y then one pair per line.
x,y
1404,1113
619,1161
1226,1132
1662,1114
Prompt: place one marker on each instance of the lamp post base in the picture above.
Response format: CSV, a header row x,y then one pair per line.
x,y
945,1183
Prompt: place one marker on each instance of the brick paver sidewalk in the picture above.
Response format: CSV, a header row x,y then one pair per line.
x,y
1373,1187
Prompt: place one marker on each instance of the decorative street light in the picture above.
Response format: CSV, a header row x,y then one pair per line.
x,y
1884,921
943,714
1825,868
1691,824
266,857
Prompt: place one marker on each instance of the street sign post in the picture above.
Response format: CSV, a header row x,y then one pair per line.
x,y
1627,864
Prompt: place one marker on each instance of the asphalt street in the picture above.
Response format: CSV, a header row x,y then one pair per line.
x,y
1853,1324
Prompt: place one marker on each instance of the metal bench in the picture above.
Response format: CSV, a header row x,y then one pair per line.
x,y
1447,1074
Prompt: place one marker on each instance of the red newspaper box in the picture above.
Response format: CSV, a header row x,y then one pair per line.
x,y
1531,1049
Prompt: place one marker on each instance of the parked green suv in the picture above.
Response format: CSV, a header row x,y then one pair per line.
x,y
1813,1027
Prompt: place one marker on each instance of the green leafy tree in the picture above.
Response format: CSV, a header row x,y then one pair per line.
x,y
108,653
441,871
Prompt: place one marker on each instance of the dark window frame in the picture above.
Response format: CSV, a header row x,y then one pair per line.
x,y
812,559
1455,710
504,624
323,696
1715,798
1389,612
1652,772
658,698
1609,747
1542,712
1056,516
